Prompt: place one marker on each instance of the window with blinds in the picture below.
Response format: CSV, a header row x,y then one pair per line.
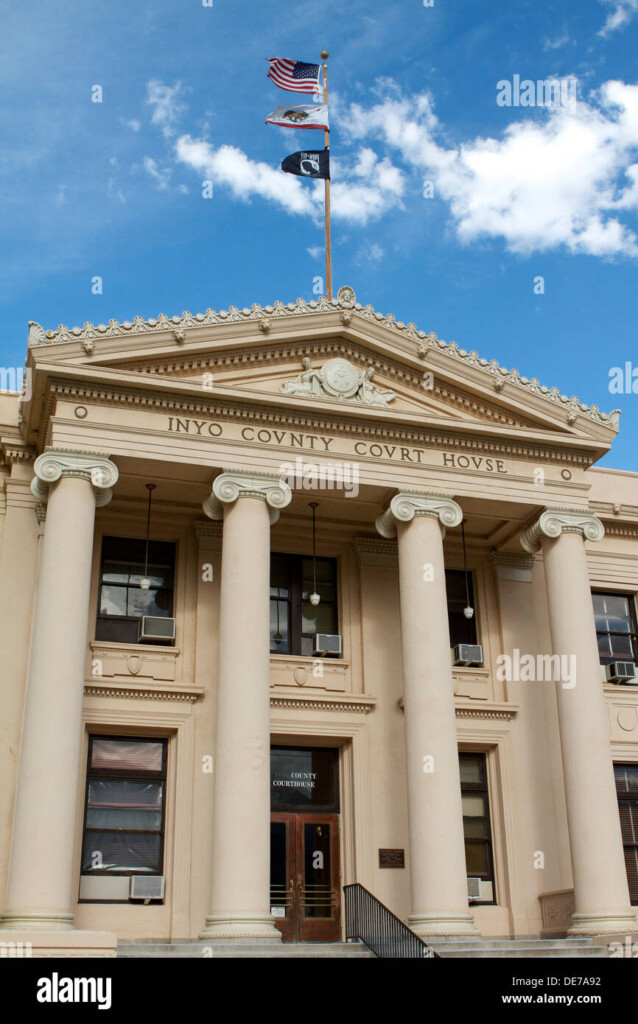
x,y
125,806
627,790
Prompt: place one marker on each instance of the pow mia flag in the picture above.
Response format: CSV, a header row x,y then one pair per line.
x,y
315,164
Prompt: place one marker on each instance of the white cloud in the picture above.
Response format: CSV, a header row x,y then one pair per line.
x,y
315,251
542,185
350,200
623,12
556,43
114,192
133,123
558,177
165,101
245,178
161,176
369,252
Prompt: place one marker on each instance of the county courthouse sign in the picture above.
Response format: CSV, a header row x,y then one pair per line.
x,y
299,596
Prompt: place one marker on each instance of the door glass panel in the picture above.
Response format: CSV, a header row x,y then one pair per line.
x,y
279,897
304,779
317,891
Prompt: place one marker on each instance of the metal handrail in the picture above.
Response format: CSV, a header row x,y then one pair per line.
x,y
368,920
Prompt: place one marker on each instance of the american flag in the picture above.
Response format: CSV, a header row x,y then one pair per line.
x,y
294,75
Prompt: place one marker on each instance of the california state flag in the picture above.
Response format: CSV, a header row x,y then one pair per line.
x,y
302,116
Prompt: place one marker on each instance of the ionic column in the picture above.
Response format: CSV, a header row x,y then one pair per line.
x,y
437,849
240,900
601,893
41,874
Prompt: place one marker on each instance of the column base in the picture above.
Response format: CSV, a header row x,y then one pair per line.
x,y
245,926
439,923
36,920
603,922
24,942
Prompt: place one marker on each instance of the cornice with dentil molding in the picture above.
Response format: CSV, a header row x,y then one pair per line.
x,y
233,484
55,463
426,343
407,504
555,521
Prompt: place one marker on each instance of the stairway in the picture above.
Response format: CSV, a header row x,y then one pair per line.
x,y
518,948
297,950
446,948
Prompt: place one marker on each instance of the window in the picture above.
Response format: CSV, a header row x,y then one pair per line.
x,y
476,823
627,790
616,627
293,620
124,809
462,630
121,601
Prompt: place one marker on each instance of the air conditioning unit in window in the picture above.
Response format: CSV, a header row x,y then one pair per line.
x,y
156,629
621,672
467,654
325,644
474,888
146,887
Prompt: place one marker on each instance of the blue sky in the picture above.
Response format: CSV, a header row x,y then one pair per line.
x,y
114,188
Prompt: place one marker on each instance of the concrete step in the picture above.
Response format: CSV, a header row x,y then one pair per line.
x,y
518,948
284,950
576,943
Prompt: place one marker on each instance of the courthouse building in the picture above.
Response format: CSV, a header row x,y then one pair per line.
x,y
374,622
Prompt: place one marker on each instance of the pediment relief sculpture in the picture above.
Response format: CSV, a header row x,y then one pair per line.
x,y
340,379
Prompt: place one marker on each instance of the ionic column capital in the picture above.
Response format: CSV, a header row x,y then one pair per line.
x,y
233,484
55,463
554,521
407,504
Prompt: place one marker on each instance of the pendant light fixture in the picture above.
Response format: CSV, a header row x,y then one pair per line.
x,y
145,581
314,597
468,611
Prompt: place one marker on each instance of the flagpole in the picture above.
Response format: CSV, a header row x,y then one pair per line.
x,y
324,57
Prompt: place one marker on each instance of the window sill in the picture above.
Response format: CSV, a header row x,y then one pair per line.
x,y
308,659
116,645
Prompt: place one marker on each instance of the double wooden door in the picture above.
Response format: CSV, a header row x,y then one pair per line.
x,y
304,876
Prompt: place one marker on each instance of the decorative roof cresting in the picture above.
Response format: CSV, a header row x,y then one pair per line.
x,y
345,300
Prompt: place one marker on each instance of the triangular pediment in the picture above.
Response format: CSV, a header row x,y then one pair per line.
x,y
333,356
